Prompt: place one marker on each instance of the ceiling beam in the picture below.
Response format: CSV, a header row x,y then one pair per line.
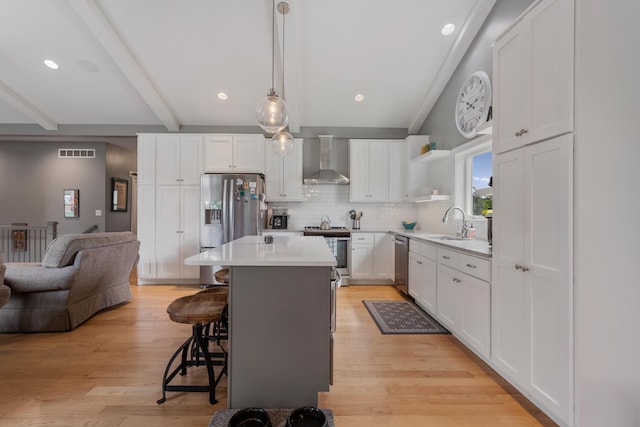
x,y
21,104
104,32
467,33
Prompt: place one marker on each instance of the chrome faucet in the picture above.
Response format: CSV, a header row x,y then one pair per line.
x,y
465,228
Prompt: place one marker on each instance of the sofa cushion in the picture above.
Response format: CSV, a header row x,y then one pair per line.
x,y
62,251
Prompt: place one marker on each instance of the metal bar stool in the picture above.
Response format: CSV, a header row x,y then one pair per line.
x,y
199,310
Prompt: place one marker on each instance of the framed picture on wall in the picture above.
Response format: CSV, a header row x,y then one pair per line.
x,y
71,200
119,194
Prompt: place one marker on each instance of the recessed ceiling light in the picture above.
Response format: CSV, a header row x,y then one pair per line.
x,y
223,96
51,64
448,29
359,97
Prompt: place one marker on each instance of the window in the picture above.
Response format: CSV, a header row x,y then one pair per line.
x,y
472,175
481,192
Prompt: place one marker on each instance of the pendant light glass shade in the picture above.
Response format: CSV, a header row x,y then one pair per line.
x,y
272,114
282,143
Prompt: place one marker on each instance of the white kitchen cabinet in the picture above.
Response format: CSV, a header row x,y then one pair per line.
x,y
178,159
168,207
383,266
147,231
423,275
372,256
532,299
178,231
146,149
284,175
369,170
398,172
533,77
361,255
234,153
464,298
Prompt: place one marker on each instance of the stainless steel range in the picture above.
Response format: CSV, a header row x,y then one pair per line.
x,y
339,241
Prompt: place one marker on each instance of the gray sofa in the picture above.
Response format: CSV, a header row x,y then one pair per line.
x,y
5,291
80,275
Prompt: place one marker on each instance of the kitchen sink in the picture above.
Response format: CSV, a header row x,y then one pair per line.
x,y
454,238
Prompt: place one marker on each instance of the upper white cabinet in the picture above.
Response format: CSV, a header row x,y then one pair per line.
x,y
234,153
532,295
398,172
178,159
369,169
533,77
284,175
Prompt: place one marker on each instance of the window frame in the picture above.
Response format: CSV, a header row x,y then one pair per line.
x,y
462,179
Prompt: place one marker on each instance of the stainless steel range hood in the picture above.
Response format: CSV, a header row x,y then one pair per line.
x,y
326,175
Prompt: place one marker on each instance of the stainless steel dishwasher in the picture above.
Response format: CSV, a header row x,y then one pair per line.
x,y
401,277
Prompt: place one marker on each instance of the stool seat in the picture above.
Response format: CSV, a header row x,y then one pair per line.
x,y
201,308
222,275
221,292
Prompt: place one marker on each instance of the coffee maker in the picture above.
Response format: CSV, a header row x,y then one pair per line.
x,y
279,218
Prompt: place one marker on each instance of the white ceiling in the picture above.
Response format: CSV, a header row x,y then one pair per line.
x,y
162,62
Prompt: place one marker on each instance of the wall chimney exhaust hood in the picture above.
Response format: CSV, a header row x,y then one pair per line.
x,y
326,175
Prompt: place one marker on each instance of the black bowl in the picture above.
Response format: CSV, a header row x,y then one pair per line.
x,y
250,417
307,417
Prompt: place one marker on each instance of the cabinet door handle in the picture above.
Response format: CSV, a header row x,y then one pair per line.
x,y
457,280
446,257
525,268
521,132
518,267
471,266
419,262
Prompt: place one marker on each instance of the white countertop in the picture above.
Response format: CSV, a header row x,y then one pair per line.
x,y
477,247
253,251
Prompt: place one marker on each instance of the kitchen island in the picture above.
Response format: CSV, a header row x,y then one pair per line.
x,y
280,350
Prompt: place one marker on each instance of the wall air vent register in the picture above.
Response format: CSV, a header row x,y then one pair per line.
x,y
68,153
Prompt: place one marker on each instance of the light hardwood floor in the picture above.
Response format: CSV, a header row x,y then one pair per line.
x,y
107,372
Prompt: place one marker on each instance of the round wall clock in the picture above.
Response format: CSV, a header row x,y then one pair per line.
x,y
473,103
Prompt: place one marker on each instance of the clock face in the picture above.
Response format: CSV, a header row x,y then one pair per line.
x,y
472,105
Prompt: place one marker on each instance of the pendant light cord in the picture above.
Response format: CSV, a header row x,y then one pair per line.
x,y
273,41
283,45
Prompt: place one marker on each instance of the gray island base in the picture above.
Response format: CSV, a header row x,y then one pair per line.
x,y
279,344
280,341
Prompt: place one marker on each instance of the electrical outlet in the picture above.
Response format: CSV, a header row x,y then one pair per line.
x,y
98,212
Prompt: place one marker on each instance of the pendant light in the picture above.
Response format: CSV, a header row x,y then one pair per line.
x,y
283,142
271,113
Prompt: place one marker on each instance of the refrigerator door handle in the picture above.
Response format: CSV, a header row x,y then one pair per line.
x,y
225,211
231,229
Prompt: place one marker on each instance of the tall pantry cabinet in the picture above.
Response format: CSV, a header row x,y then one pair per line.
x,y
169,168
532,278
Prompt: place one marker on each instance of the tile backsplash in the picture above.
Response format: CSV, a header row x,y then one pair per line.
x,y
333,201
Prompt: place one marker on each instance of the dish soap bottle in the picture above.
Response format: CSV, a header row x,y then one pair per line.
x,y
471,233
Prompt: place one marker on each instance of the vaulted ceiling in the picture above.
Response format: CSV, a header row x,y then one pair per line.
x,y
163,62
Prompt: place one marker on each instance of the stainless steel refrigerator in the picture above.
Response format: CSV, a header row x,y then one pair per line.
x,y
232,206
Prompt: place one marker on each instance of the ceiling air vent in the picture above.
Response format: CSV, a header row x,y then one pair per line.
x,y
75,153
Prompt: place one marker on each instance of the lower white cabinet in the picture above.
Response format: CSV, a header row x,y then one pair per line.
x,y
178,231
464,298
423,275
372,256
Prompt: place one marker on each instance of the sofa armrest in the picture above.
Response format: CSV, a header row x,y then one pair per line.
x,y
31,278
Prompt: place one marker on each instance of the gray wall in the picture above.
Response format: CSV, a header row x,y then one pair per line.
x,y
33,179
440,124
119,162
